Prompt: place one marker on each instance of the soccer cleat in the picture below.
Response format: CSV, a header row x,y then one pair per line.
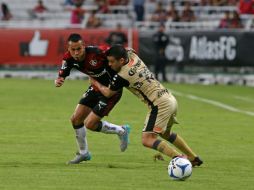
x,y
158,156
196,162
80,158
124,138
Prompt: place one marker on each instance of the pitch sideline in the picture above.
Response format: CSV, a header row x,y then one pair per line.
x,y
244,99
213,102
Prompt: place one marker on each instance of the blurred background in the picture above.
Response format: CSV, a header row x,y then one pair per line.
x,y
195,41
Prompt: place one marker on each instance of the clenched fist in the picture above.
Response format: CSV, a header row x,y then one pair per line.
x,y
59,81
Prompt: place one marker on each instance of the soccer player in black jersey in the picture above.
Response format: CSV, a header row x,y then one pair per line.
x,y
93,105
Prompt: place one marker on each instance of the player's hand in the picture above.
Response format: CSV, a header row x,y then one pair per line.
x,y
91,80
59,81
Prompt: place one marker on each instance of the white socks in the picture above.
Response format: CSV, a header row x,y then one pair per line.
x,y
108,128
111,128
81,140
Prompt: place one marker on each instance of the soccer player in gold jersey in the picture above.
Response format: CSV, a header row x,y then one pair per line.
x,y
133,74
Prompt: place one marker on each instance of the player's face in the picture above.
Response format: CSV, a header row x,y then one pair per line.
x,y
114,63
76,50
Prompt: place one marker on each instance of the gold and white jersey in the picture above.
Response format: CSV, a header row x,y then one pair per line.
x,y
140,81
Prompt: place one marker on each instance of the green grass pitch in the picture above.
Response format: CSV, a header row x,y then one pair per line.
x,y
36,140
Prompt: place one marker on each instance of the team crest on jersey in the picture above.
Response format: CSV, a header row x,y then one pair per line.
x,y
93,62
64,65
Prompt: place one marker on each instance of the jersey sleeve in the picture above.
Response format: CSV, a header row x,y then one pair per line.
x,y
118,83
65,69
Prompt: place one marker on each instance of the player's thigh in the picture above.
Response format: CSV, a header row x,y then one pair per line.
x,y
102,108
90,98
80,113
92,121
173,111
156,120
105,105
148,138
160,116
166,117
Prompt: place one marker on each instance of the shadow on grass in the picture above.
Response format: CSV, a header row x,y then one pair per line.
x,y
64,165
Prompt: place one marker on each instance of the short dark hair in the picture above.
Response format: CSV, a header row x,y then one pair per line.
x,y
74,37
118,51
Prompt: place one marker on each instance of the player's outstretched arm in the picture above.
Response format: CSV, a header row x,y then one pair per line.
x,y
59,81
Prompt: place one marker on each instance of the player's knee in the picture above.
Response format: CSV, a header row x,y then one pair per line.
x,y
90,124
73,120
76,121
146,142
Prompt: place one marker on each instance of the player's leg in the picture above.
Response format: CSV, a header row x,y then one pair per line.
x,y
168,118
86,103
94,123
153,127
180,143
151,140
176,139
77,121
104,106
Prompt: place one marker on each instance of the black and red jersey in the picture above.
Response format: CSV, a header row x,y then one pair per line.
x,y
95,65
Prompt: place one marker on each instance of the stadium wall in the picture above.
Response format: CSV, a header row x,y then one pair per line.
x,y
226,48
188,48
45,47
35,47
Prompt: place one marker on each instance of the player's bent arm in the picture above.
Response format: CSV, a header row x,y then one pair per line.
x,y
63,73
106,91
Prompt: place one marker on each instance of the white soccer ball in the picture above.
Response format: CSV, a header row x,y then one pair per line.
x,y
179,168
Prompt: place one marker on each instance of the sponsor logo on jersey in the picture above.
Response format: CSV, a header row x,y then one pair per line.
x,y
133,70
99,74
93,62
162,92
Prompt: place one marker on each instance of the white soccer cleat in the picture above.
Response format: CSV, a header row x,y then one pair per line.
x,y
80,158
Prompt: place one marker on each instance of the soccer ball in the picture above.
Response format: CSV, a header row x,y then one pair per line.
x,y
179,168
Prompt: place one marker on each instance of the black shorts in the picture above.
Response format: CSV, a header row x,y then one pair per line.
x,y
100,104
